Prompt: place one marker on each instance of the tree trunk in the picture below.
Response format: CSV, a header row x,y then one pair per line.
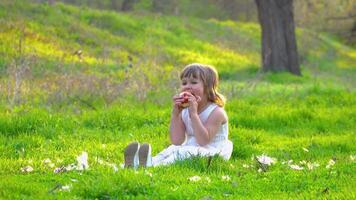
x,y
115,5
279,47
51,2
127,5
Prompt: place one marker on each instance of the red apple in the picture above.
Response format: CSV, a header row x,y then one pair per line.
x,y
185,96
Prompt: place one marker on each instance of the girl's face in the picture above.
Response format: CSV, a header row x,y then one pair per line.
x,y
193,85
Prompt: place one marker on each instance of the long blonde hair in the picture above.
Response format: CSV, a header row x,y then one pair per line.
x,y
210,79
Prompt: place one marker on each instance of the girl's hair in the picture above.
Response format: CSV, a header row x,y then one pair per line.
x,y
210,79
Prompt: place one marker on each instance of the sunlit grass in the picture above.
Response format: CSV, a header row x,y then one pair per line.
x,y
121,91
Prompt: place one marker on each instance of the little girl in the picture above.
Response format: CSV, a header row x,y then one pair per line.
x,y
199,124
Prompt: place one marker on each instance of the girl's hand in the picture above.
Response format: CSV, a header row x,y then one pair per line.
x,y
193,104
177,102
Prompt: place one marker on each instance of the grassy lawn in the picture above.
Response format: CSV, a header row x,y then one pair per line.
x,y
54,105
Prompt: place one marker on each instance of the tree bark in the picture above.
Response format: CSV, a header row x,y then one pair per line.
x,y
51,2
115,5
127,5
279,47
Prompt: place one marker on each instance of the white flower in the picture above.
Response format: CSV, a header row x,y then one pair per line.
x,y
312,165
330,164
47,160
59,169
82,161
70,167
114,166
305,149
352,157
27,169
207,179
266,160
65,188
226,178
194,178
100,161
260,170
245,166
296,167
148,174
303,162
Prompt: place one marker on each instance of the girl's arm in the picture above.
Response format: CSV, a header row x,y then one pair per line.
x,y
177,127
204,133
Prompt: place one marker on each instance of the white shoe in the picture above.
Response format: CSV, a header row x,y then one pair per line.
x,y
144,155
131,155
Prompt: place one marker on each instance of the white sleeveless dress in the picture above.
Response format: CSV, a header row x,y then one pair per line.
x,y
220,145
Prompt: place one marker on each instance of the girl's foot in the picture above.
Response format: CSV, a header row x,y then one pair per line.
x,y
131,155
144,154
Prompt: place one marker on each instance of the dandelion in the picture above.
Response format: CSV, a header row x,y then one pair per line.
x,y
296,167
82,161
226,178
266,160
194,178
27,169
305,149
330,164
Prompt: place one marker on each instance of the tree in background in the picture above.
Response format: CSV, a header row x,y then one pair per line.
x,y
279,48
127,5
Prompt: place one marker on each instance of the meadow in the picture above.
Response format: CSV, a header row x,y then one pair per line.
x,y
76,80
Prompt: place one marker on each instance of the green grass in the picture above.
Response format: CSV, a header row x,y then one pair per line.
x,y
64,105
